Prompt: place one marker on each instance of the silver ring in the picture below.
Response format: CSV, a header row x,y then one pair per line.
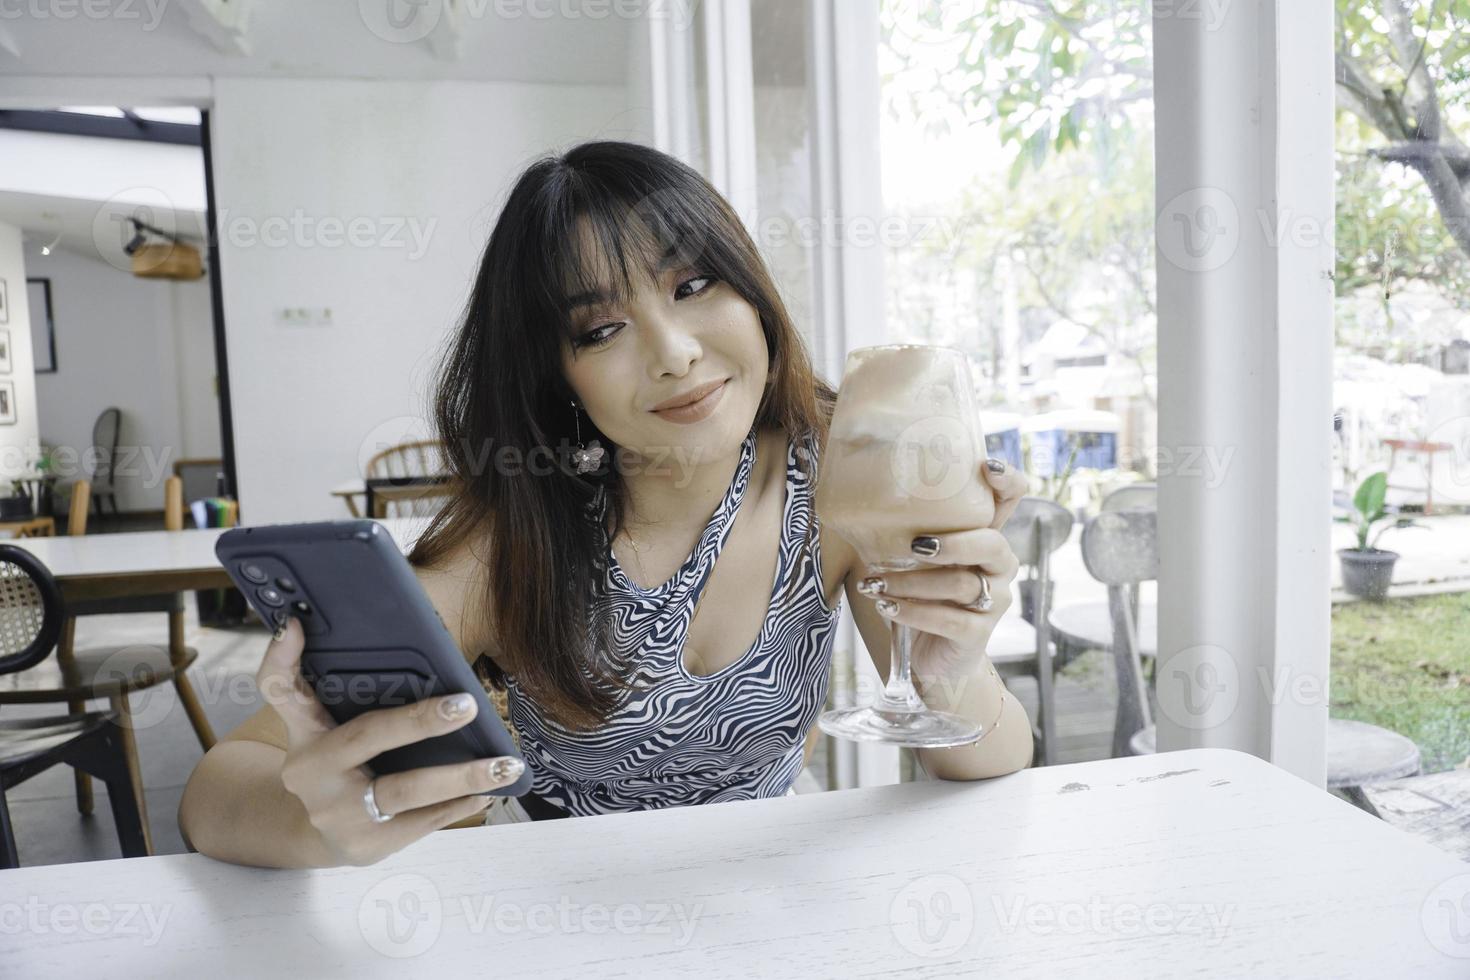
x,y
370,800
984,603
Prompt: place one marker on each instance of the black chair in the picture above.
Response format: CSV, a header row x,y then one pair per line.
x,y
105,433
30,622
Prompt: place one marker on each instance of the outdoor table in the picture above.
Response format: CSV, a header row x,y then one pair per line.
x,y
1206,862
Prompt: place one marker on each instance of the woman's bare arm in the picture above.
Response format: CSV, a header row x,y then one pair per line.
x,y
284,788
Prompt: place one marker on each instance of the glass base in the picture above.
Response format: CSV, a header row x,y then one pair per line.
x,y
922,729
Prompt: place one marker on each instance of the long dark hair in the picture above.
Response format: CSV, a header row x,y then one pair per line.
x,y
501,390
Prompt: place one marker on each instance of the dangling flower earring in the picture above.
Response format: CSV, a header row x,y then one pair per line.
x,y
587,458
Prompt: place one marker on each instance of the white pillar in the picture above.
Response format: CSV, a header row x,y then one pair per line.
x,y
847,281
668,73
1244,101
730,105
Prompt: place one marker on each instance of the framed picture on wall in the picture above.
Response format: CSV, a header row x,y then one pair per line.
x,y
7,402
4,303
43,325
4,351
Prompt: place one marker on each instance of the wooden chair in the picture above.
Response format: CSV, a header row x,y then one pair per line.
x,y
409,465
201,476
409,496
31,614
114,672
1018,647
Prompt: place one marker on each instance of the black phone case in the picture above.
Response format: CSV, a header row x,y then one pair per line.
x,y
373,637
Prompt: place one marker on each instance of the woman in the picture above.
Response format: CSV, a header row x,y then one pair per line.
x,y
610,594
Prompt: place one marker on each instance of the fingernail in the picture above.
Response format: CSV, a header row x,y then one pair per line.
x,y
872,586
995,465
456,707
887,607
506,769
926,546
280,633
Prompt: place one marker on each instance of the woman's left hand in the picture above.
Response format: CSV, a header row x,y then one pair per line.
x,y
949,634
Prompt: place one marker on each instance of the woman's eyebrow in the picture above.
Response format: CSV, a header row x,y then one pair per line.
x,y
669,261
588,299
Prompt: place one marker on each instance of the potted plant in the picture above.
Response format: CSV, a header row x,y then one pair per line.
x,y
1367,569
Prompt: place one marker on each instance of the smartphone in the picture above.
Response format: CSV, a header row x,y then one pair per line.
x,y
373,638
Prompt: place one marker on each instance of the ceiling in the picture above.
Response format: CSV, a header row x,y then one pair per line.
x,y
543,41
89,228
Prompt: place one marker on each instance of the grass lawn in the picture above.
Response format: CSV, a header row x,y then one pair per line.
x,y
1404,664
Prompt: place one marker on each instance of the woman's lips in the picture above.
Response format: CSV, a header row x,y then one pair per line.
x,y
695,411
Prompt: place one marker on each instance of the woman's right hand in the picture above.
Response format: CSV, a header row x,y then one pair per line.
x,y
326,763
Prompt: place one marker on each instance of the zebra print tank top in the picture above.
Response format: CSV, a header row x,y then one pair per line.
x,y
679,738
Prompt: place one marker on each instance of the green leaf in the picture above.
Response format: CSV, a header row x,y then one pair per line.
x,y
1369,498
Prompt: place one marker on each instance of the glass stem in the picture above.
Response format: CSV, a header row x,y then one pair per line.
x,y
899,693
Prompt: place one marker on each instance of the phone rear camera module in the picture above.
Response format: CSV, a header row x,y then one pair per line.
x,y
301,607
254,573
270,597
285,584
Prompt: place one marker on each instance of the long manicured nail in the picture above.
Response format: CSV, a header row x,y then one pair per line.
x,y
996,466
506,769
280,633
887,607
456,707
874,585
926,546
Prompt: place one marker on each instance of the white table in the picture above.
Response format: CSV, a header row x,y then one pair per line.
x,y
152,562
348,491
1202,863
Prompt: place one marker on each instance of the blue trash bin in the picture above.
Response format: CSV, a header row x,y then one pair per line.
x,y
1054,435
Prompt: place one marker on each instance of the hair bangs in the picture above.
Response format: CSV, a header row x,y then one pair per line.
x,y
601,239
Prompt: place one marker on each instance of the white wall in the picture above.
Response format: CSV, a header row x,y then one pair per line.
x,y
400,156
143,345
19,443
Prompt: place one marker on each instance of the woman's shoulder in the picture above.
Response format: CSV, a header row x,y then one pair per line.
x,y
805,442
838,557
457,587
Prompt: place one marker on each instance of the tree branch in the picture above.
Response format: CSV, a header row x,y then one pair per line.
x,y
1354,81
1135,356
1420,154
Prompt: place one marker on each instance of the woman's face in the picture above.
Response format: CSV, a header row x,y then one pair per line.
x,y
673,336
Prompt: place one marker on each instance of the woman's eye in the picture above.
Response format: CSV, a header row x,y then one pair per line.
x,y
597,337
704,281
602,335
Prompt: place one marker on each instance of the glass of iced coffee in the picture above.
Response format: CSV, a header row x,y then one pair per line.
x,y
902,460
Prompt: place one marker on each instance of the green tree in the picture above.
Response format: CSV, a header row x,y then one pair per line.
x,y
1055,76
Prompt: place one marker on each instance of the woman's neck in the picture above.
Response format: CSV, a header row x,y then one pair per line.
x,y
676,495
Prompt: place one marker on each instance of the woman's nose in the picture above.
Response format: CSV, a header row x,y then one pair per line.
x,y
672,346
